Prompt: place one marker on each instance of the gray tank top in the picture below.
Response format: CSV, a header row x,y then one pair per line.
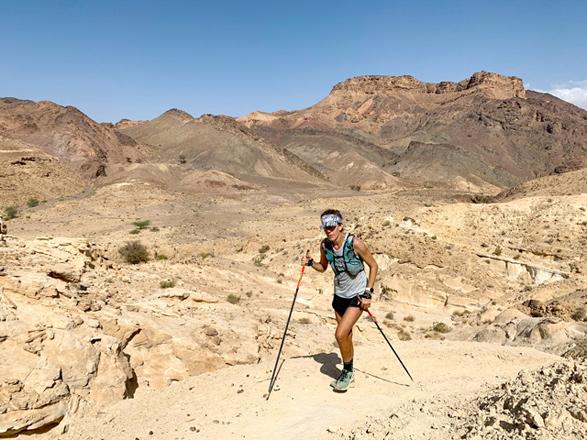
x,y
346,285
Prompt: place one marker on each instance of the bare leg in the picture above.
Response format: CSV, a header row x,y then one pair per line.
x,y
338,319
344,335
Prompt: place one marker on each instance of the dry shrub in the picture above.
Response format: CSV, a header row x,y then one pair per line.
x,y
166,284
10,213
233,299
134,252
404,336
441,327
580,314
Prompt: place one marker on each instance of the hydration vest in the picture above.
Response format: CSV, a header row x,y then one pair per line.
x,y
348,262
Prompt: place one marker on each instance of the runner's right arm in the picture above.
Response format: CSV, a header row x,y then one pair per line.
x,y
320,266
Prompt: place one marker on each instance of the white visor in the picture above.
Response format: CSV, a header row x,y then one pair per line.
x,y
330,220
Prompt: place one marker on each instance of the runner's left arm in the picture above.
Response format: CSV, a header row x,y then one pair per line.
x,y
362,250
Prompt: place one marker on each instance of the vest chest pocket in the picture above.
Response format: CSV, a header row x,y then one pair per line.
x,y
339,264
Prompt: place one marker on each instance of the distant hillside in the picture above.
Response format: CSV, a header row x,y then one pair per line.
x,y
486,131
218,143
68,134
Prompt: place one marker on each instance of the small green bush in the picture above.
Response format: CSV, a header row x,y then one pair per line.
x,y
182,159
142,224
409,318
356,187
204,255
233,299
154,229
497,251
389,315
441,327
162,257
166,284
32,203
10,213
304,320
135,231
264,248
134,252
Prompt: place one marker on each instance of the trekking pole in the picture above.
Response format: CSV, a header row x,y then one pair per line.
x,y
389,343
274,375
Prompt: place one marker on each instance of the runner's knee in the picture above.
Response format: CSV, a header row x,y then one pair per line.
x,y
341,334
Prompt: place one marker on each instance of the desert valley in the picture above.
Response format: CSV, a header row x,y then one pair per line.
x,y
150,265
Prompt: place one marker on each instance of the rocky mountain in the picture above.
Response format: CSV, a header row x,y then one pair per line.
x,y
217,143
68,134
483,133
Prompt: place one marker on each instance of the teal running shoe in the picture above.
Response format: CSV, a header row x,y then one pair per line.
x,y
344,381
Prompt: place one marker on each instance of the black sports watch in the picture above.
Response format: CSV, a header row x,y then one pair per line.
x,y
310,262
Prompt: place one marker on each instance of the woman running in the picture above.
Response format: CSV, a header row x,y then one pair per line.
x,y
346,254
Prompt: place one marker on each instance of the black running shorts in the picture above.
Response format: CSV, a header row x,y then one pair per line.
x,y
341,304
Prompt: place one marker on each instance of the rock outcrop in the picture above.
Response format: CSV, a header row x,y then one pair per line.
x,y
494,85
67,336
546,404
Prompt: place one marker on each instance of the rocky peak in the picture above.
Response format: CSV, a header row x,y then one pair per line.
x,y
177,114
379,84
501,84
496,85
222,122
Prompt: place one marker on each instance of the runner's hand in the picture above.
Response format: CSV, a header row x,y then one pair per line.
x,y
364,303
306,258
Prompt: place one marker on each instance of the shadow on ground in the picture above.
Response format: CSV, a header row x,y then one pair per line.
x,y
328,361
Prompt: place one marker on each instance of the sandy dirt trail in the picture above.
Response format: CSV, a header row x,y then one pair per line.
x,y
229,403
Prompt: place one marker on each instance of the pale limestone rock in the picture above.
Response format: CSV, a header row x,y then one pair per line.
x,y
70,272
203,297
114,375
13,422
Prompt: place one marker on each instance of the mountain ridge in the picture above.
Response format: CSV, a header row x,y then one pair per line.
x,y
514,134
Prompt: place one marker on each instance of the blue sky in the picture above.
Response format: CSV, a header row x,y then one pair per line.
x,y
136,59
